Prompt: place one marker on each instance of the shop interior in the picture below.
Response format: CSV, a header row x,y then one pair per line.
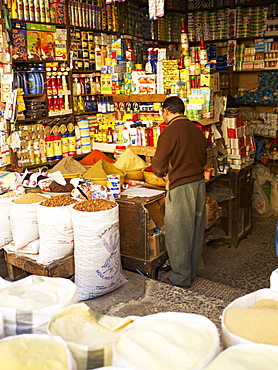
x,y
82,84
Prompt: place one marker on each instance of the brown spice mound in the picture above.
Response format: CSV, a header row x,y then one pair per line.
x,y
57,188
95,205
29,198
59,201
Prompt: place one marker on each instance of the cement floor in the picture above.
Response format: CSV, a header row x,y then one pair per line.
x,y
223,275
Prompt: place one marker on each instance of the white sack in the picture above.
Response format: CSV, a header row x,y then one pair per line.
x,y
97,252
177,347
274,196
24,224
55,232
28,304
246,301
42,341
5,230
274,280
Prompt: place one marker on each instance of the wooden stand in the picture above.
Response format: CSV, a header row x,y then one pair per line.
x,y
19,267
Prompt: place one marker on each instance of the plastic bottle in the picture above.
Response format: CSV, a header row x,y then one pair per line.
x,y
40,69
97,86
24,82
16,81
129,53
125,136
88,104
133,135
197,70
110,134
184,38
203,51
150,66
81,105
87,86
32,80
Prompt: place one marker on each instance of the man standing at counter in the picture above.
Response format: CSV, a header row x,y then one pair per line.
x,y
180,157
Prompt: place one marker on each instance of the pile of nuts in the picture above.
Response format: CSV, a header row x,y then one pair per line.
x,y
95,205
59,201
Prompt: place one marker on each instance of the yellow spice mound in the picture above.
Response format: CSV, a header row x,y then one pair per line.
x,y
101,169
130,161
258,323
32,354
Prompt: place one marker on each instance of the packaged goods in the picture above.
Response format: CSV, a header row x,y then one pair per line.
x,y
58,201
28,304
92,333
167,341
97,251
252,318
32,352
24,224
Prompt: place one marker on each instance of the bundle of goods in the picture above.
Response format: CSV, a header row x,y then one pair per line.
x,y
93,334
132,164
34,351
96,249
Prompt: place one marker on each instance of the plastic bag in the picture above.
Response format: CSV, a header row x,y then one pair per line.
x,y
220,192
260,204
261,173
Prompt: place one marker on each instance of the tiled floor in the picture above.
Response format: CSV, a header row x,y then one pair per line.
x,y
249,266
223,275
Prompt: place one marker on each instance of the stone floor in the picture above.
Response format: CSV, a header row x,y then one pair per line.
x,y
223,275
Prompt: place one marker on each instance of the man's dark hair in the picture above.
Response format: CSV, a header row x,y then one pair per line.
x,y
174,105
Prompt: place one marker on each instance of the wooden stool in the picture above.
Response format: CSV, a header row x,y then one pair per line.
x,y
19,267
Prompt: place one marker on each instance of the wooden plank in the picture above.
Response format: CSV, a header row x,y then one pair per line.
x,y
147,267
17,265
148,151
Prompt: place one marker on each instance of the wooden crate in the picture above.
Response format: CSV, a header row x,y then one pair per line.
x,y
3,264
19,267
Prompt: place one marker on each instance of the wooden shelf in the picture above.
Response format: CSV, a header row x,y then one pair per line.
x,y
50,163
146,98
52,24
82,113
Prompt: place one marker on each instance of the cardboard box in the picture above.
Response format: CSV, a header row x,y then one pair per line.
x,y
19,40
34,41
157,244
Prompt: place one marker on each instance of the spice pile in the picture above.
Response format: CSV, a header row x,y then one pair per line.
x,y
9,194
29,198
59,201
57,188
95,205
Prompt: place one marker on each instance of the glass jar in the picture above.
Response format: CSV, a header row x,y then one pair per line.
x,y
273,151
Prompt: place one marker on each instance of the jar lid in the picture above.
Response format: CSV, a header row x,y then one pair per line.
x,y
120,147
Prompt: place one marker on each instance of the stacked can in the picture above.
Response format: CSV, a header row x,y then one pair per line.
x,y
222,16
191,27
84,136
213,26
113,185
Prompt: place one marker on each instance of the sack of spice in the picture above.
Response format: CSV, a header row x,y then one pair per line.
x,y
97,248
55,228
24,224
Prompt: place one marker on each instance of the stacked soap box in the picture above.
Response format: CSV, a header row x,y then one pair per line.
x,y
239,142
